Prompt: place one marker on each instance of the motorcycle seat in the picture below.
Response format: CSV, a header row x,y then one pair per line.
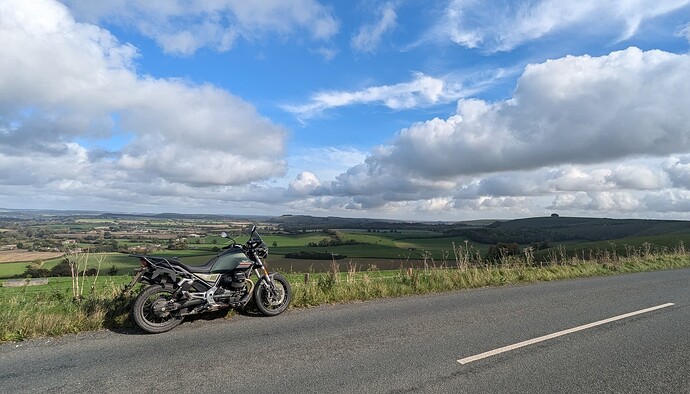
x,y
197,269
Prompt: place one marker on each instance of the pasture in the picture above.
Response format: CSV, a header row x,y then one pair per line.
x,y
383,245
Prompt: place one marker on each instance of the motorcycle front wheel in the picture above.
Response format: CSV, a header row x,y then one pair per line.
x,y
273,302
149,310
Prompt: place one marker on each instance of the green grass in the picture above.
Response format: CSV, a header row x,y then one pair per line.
x,y
10,270
336,286
626,247
298,240
122,262
33,311
401,234
50,310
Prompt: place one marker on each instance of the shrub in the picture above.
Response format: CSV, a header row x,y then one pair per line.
x,y
35,272
62,269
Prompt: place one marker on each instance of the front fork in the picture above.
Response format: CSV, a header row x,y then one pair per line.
x,y
263,274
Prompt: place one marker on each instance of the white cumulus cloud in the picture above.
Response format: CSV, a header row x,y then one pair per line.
x,y
305,183
571,110
588,134
68,88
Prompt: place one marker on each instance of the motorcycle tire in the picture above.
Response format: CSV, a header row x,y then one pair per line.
x,y
273,304
144,310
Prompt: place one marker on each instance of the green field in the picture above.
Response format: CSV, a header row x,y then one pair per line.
x,y
383,250
388,250
381,244
122,262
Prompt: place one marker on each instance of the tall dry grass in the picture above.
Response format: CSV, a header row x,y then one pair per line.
x,y
469,270
28,313
56,310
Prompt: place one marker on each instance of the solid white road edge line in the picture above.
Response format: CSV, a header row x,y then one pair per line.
x,y
557,334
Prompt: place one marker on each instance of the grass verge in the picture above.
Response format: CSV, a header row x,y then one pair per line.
x,y
335,287
29,312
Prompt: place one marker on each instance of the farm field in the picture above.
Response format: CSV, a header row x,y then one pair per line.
x,y
308,244
10,256
346,259
384,255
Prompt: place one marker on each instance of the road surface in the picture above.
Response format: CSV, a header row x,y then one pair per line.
x,y
410,344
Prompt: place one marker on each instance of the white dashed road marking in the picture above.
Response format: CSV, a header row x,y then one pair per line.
x,y
557,334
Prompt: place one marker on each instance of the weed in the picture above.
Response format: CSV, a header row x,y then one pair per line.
x,y
52,310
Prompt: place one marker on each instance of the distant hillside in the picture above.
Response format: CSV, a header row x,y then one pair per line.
x,y
25,214
562,229
186,216
305,222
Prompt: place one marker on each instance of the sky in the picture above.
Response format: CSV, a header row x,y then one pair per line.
x,y
402,109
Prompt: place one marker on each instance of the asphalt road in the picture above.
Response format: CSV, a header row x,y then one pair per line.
x,y
410,344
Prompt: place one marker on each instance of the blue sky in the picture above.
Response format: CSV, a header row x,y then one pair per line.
x,y
435,110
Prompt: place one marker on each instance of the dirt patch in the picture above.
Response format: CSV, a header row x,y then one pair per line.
x,y
24,282
15,256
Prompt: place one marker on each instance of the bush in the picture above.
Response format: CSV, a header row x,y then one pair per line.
x,y
92,272
62,269
34,271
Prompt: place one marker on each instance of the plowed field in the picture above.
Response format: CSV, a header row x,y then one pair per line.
x,y
12,256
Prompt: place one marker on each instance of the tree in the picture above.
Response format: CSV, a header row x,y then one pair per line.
x,y
178,244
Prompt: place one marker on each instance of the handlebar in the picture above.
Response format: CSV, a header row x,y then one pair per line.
x,y
255,241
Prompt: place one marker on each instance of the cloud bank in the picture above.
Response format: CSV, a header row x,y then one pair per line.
x,y
79,125
589,133
69,92
571,110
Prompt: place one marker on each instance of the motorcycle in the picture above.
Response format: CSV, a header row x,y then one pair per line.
x,y
175,290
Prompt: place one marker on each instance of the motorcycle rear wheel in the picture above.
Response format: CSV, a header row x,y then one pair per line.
x,y
271,303
148,313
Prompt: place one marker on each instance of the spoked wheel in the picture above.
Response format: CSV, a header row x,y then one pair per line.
x,y
150,310
275,301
